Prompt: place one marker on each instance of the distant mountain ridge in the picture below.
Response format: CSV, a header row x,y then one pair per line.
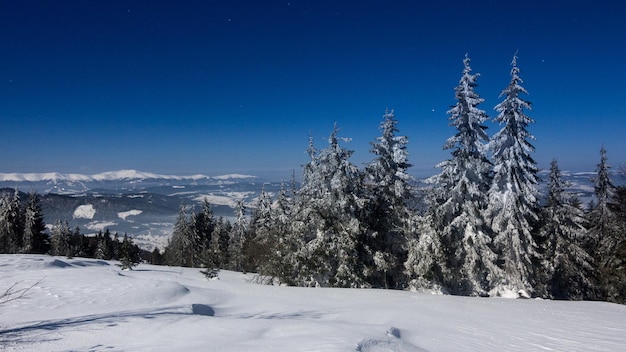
x,y
119,175
146,205
142,204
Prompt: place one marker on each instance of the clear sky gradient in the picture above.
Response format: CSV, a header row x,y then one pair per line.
x,y
218,87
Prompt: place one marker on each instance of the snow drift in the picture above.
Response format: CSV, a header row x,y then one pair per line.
x,y
92,305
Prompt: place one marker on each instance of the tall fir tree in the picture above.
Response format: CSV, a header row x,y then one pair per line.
x,y
262,238
238,237
129,254
303,215
77,244
619,260
203,225
341,207
281,262
389,195
35,239
294,224
602,218
216,254
60,239
426,265
604,233
304,222
111,249
182,249
102,248
11,222
328,220
513,204
460,195
568,270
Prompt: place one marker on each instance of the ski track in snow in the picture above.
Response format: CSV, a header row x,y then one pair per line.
x,y
92,305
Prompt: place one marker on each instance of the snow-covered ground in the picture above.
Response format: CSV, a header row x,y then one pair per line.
x,y
91,305
85,211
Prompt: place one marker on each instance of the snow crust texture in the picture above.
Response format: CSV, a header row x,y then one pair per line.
x,y
92,305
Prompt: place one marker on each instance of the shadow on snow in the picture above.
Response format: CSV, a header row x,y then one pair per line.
x,y
36,332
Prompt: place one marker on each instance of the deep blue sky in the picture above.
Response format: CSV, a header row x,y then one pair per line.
x,y
238,86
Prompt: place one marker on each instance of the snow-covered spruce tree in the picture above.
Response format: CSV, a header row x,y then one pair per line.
x,y
238,236
102,248
388,188
10,223
8,240
304,222
602,219
203,225
60,239
35,239
513,205
182,249
218,247
425,265
129,254
262,241
460,196
604,231
328,219
28,235
79,245
280,263
271,226
112,241
568,269
619,260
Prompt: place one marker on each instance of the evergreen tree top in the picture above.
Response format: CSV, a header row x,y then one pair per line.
x,y
556,186
510,146
511,109
604,187
465,115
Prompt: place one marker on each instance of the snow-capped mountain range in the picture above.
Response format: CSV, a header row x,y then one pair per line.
x,y
122,180
145,205
109,176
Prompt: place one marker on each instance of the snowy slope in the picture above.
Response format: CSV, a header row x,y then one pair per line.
x,y
91,305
